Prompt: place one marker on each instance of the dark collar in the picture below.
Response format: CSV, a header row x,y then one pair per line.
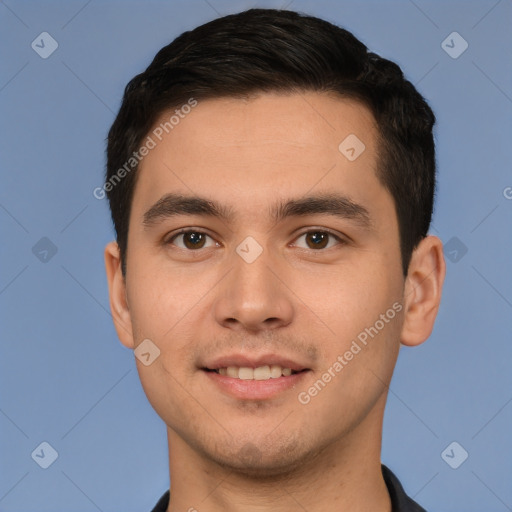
x,y
400,502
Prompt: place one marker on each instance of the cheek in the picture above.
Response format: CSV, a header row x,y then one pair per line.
x,y
171,308
350,297
362,308
160,299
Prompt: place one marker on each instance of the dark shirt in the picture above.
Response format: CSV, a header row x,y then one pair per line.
x,y
400,502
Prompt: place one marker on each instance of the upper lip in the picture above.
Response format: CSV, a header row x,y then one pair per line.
x,y
254,362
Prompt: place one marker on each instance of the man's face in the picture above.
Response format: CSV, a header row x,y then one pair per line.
x,y
209,299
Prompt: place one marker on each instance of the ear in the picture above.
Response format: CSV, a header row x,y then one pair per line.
x,y
117,293
423,287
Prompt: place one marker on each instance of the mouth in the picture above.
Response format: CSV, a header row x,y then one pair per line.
x,y
257,379
265,372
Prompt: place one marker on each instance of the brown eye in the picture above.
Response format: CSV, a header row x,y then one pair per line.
x,y
191,240
319,239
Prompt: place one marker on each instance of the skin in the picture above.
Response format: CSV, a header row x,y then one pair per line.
x,y
230,454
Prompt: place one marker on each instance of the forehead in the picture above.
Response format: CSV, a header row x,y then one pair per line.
x,y
306,120
243,151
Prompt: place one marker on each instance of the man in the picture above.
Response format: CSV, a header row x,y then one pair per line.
x,y
271,184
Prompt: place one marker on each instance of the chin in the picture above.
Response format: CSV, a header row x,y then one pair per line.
x,y
264,462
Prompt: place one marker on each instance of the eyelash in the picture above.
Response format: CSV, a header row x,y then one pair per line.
x,y
170,240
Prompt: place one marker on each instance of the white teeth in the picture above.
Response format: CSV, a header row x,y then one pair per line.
x,y
275,371
232,372
261,373
245,373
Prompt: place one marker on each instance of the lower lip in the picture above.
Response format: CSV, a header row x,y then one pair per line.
x,y
255,389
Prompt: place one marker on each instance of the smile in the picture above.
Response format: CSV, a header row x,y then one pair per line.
x,y
260,373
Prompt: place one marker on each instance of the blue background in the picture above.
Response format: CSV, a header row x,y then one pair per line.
x,y
67,380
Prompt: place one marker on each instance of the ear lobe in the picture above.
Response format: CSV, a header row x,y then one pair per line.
x,y
117,294
423,288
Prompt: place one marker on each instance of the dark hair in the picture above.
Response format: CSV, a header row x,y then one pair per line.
x,y
270,50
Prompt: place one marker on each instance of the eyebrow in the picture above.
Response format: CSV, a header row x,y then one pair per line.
x,y
172,205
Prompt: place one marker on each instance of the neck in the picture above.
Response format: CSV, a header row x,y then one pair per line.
x,y
343,475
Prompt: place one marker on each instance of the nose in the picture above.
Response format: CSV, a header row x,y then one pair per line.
x,y
254,296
